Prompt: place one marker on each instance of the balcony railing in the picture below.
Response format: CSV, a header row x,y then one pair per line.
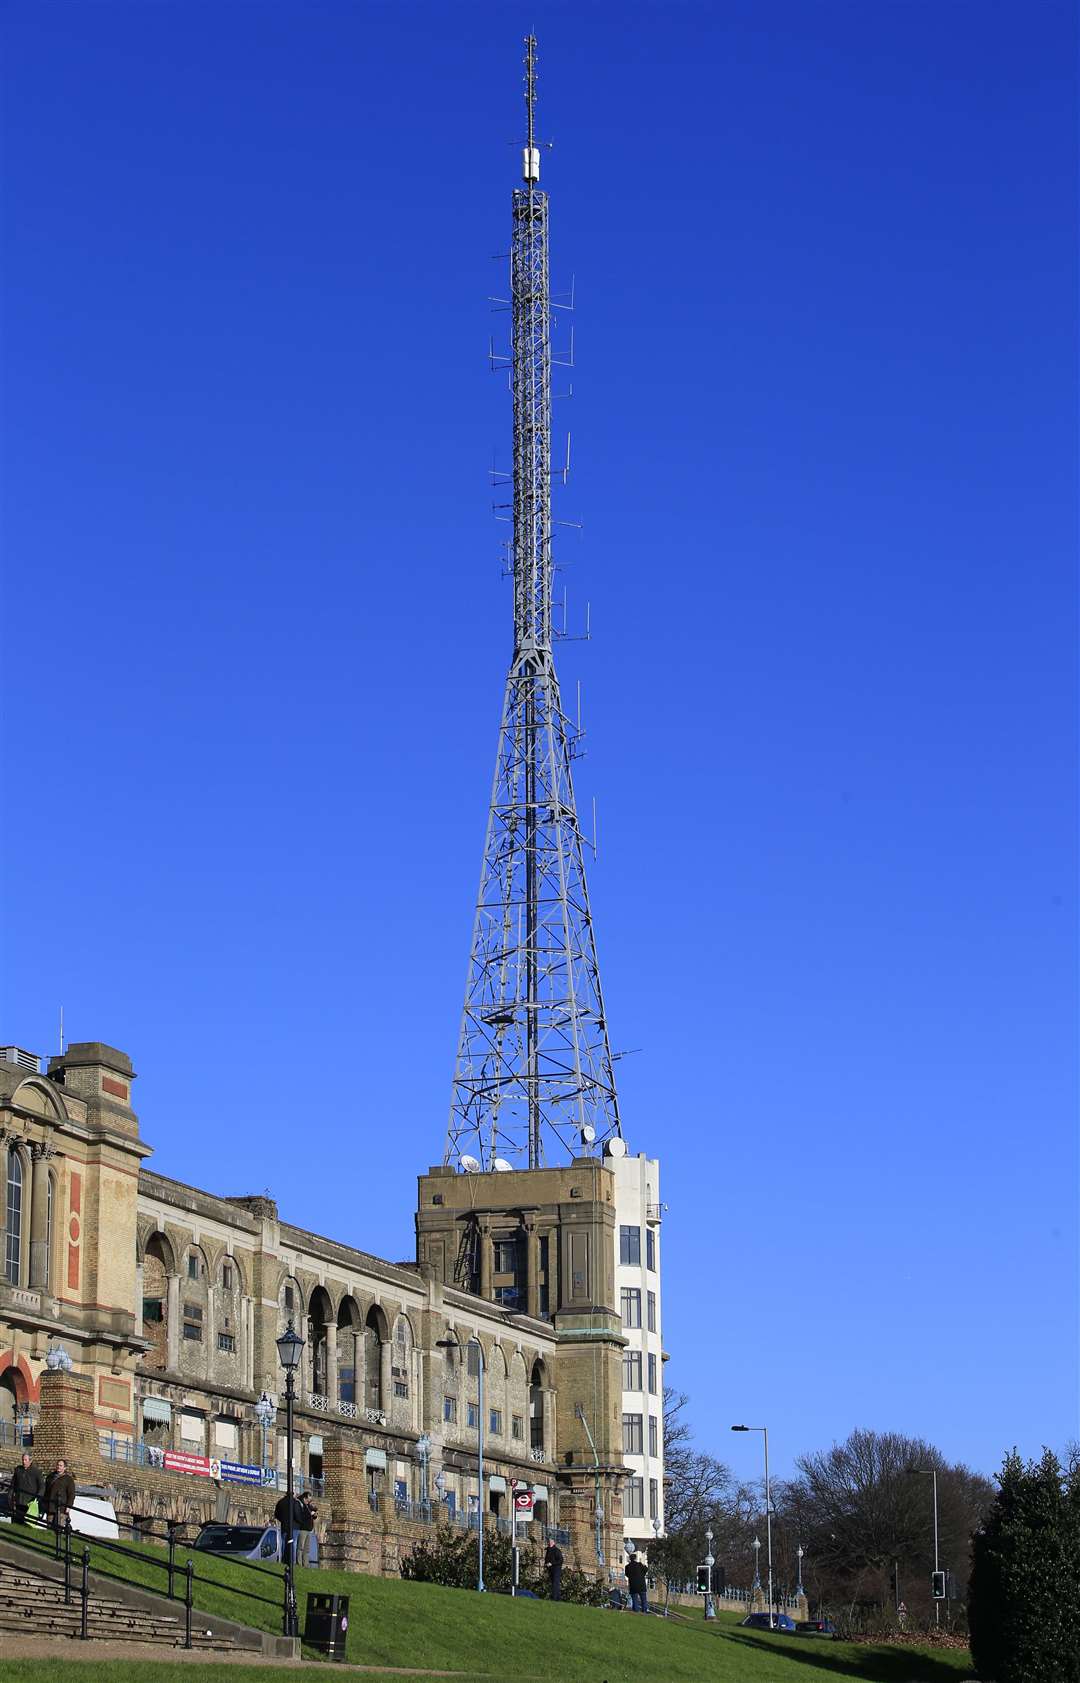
x,y
537,1454
654,1214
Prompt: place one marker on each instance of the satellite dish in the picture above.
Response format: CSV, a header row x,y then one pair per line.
x,y
616,1147
471,1165
502,1166
588,1133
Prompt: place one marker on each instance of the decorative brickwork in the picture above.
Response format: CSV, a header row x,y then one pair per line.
x,y
65,1428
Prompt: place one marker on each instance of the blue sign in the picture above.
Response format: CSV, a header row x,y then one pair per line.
x,y
237,1473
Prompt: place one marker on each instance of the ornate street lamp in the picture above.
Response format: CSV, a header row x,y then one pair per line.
x,y
290,1347
710,1610
757,1563
799,1552
264,1414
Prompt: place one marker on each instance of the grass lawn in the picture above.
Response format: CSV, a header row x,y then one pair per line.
x,y
392,1623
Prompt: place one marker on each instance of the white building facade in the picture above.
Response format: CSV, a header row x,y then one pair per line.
x,y
637,1281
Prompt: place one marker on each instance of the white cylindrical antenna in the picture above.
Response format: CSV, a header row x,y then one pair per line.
x,y
530,164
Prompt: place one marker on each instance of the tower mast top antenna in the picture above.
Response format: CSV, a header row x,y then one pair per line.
x,y
530,163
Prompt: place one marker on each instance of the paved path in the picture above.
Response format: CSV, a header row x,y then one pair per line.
x,y
63,1648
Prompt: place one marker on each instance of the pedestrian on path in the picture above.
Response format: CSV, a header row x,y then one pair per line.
x,y
637,1577
59,1495
27,1485
553,1564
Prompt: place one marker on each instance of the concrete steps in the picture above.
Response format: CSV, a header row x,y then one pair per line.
x,y
31,1605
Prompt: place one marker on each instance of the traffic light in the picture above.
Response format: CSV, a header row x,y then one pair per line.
x,y
703,1580
937,1585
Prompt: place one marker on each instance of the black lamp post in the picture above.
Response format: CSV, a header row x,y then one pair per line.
x,y
290,1347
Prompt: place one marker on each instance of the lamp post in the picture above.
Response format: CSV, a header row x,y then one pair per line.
x,y
710,1610
768,1508
757,1564
799,1552
933,1474
290,1347
423,1449
264,1414
452,1344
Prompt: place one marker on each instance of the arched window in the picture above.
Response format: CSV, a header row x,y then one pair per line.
x,y
13,1248
374,1339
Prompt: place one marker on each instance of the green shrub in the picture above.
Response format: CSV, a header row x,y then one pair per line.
x,y
1024,1594
449,1557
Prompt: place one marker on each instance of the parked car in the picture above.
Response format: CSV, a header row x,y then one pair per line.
x,y
761,1621
249,1542
93,1514
816,1627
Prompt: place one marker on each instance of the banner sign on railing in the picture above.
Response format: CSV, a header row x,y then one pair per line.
x,y
237,1473
178,1463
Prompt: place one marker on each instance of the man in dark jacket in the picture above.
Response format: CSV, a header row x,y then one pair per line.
x,y
59,1495
638,1579
27,1485
553,1568
299,1520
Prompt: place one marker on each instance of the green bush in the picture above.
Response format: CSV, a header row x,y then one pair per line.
x,y
1024,1594
449,1558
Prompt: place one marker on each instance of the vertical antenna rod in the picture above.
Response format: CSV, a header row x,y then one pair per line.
x,y
534,1063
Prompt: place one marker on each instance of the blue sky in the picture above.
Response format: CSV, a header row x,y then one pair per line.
x,y
824,446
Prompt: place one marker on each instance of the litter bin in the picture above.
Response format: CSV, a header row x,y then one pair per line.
x,y
326,1624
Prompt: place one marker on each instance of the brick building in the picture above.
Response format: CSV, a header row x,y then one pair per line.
x,y
169,1299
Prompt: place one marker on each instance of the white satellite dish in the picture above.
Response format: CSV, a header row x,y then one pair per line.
x,y
616,1146
588,1133
503,1167
471,1165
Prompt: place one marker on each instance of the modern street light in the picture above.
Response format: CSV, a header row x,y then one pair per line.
x,y
933,1474
264,1414
768,1508
710,1610
290,1347
452,1344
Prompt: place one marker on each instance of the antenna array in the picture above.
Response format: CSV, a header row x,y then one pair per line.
x,y
534,1070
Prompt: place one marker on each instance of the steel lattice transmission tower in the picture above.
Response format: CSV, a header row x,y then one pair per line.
x,y
534,1073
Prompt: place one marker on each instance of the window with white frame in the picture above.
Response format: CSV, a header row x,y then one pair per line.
x,y
631,1434
630,1299
634,1504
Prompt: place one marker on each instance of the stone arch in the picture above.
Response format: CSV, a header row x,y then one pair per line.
x,y
376,1342
537,1403
40,1097
320,1319
350,1351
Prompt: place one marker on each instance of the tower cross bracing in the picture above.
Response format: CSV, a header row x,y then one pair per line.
x,y
534,1076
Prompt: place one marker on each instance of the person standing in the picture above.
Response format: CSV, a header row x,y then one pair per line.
x,y
59,1495
553,1564
293,1530
307,1531
637,1577
27,1485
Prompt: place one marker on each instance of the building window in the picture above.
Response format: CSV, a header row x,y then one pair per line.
x,y
495,1422
289,1299
634,1506
472,1415
192,1266
517,1426
193,1317
509,1297
347,1384
225,1341
652,1311
153,1309
13,1248
631,1434
506,1256
631,1306
630,1245
652,1374
650,1249
226,1276
473,1359
654,1499
401,1381
654,1435
631,1370
449,1410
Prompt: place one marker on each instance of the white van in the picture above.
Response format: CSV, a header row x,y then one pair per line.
x,y
93,1514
